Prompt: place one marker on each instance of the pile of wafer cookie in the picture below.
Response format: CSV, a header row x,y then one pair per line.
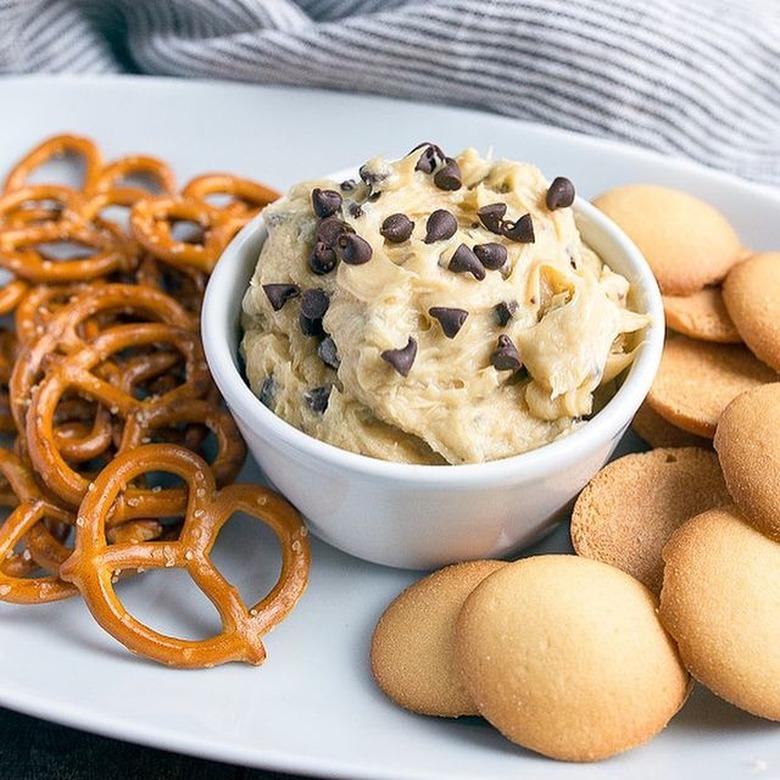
x,y
677,571
121,456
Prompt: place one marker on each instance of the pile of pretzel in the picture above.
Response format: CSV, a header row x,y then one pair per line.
x,y
104,385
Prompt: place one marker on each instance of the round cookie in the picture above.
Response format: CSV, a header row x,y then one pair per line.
x,y
720,602
412,647
566,656
748,444
628,511
701,315
688,243
657,432
697,380
751,293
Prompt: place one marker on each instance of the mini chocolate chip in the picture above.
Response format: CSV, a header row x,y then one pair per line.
x,y
440,225
353,249
504,311
279,294
402,359
317,398
329,230
451,320
328,353
314,303
268,392
310,327
521,231
348,185
448,177
464,261
322,259
506,357
355,210
492,256
397,228
325,202
491,216
561,194
432,155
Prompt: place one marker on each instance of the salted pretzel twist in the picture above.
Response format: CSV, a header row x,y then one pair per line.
x,y
94,564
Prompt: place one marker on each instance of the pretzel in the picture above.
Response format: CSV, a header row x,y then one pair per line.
x,y
12,295
62,335
150,221
76,375
135,165
40,303
28,518
248,196
94,564
187,285
51,148
18,253
39,202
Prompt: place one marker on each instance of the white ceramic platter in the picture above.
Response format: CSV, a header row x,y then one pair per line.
x,y
312,708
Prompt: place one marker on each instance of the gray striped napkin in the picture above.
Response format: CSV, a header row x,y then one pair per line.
x,y
699,78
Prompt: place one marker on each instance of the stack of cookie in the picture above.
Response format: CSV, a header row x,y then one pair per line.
x,y
722,306
678,561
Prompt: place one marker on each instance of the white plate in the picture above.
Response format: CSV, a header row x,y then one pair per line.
x,y
312,707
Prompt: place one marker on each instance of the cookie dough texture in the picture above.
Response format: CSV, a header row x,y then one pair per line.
x,y
571,326
566,656
721,601
687,242
748,444
413,647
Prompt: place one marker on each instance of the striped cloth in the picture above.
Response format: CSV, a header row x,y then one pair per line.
x,y
699,78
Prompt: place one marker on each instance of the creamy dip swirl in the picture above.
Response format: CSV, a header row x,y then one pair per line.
x,y
422,354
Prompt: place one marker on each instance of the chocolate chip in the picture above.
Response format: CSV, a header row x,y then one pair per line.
x,y
448,176
310,327
492,256
464,261
521,231
451,320
268,392
506,357
353,249
440,225
329,230
348,185
402,359
355,210
491,216
325,202
322,259
279,294
432,155
317,398
397,228
504,311
561,194
375,196
328,353
314,303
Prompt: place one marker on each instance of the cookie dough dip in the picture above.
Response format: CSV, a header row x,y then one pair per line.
x,y
436,310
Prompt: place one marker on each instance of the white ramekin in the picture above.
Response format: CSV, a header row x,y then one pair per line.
x,y
420,517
